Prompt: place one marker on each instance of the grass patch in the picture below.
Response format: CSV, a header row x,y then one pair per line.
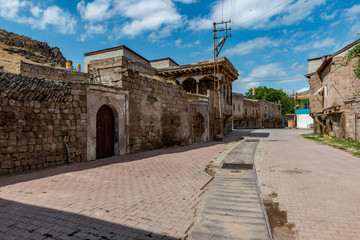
x,y
346,145
9,49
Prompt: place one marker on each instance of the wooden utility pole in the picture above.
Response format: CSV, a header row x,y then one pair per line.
x,y
218,44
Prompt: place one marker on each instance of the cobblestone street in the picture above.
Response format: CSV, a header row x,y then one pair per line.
x,y
317,185
149,195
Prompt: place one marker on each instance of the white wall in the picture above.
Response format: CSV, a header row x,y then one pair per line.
x,y
304,120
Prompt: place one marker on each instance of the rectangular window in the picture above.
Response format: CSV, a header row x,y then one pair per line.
x,y
326,90
256,112
245,111
253,112
239,107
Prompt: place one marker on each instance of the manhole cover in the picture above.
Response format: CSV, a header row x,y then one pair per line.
x,y
237,166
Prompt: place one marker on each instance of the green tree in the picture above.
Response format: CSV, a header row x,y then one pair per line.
x,y
274,95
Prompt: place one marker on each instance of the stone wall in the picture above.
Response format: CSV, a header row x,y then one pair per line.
x,y
158,113
333,108
37,119
316,101
341,82
51,73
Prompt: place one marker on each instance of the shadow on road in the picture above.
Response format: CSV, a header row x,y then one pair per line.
x,y
23,221
75,167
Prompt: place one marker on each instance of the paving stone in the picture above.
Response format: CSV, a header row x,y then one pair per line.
x,y
322,199
112,195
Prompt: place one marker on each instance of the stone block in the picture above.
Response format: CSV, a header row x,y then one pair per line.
x,y
7,164
22,148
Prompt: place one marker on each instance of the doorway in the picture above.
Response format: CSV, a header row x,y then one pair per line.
x,y
104,132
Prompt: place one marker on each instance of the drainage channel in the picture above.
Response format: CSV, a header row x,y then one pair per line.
x,y
233,208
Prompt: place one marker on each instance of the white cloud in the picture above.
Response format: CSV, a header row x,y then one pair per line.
x,y
325,16
134,17
247,83
186,1
198,24
180,43
244,48
148,15
94,11
92,29
25,12
272,69
256,14
327,42
335,23
355,29
10,9
56,17
303,89
352,13
36,11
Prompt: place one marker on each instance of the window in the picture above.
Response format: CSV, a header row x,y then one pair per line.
x,y
326,90
239,107
245,111
256,112
252,112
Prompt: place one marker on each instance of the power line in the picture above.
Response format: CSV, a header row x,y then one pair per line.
x,y
276,80
251,20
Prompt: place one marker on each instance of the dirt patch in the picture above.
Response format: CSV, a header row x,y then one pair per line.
x,y
289,170
281,229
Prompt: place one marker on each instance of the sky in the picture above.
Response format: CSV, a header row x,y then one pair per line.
x,y
270,44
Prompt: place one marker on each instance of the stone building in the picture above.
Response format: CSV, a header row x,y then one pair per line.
x,y
250,113
168,104
124,104
334,94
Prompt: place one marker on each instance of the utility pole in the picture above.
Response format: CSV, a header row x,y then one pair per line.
x,y
218,45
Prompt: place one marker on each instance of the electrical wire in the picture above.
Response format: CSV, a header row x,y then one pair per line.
x,y
263,14
276,80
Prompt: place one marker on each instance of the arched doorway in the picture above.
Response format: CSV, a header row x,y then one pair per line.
x,y
104,132
198,128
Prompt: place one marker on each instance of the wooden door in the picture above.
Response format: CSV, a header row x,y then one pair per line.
x,y
197,128
104,132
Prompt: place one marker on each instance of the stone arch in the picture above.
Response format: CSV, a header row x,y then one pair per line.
x,y
198,128
98,96
189,85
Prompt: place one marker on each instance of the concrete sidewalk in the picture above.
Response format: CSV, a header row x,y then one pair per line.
x,y
232,208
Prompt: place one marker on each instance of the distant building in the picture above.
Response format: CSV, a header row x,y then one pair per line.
x,y
334,94
251,113
303,119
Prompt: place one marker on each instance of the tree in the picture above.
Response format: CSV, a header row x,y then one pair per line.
x,y
274,95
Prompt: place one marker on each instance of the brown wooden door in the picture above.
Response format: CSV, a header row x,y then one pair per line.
x,y
104,132
198,129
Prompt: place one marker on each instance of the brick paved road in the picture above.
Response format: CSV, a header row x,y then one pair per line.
x,y
317,185
140,196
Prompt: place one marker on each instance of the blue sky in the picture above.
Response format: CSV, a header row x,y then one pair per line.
x,y
270,44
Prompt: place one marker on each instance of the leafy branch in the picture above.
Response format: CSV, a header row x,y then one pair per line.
x,y
355,52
